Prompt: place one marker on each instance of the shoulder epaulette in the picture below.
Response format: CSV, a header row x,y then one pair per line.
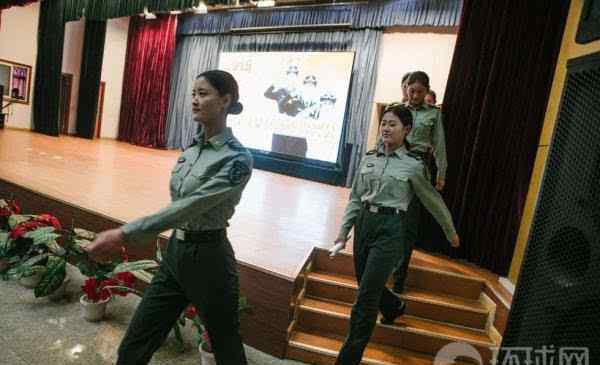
x,y
235,145
414,155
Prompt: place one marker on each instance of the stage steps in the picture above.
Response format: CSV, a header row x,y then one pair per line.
x,y
442,308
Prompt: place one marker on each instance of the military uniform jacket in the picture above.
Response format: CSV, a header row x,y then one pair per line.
x,y
393,181
206,185
427,134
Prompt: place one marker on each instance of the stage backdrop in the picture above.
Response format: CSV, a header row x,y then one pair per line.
x,y
294,102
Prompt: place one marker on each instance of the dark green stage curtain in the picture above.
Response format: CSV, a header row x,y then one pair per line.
x,y
89,84
51,34
74,9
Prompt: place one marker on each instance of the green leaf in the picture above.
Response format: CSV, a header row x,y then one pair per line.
x,y
179,338
135,266
5,243
159,255
53,277
144,276
42,235
35,259
84,234
23,271
79,244
15,219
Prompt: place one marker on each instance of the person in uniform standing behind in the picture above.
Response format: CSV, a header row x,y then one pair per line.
x,y
427,139
199,266
388,179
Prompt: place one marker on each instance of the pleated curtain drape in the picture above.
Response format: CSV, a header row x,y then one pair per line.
x,y
146,81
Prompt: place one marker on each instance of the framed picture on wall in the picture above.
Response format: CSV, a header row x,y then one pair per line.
x,y
589,23
16,81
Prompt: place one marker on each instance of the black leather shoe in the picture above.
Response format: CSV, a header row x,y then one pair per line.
x,y
389,318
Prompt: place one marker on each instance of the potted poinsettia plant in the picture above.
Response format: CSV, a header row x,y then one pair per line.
x,y
192,315
33,255
105,280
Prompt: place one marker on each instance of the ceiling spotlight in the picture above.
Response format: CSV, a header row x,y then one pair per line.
x,y
200,9
265,3
148,15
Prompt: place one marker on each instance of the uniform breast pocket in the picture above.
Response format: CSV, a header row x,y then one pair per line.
x,y
399,186
424,128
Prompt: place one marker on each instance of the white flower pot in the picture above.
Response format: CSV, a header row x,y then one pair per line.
x,y
31,281
93,312
206,358
59,293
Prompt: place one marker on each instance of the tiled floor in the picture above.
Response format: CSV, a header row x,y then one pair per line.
x,y
36,331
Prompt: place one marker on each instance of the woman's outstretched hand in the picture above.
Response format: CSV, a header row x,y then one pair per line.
x,y
455,242
338,245
106,245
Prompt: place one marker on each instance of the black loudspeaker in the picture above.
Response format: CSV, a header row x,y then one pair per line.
x,y
556,306
288,145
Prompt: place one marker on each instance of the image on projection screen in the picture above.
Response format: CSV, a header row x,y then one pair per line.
x,y
294,102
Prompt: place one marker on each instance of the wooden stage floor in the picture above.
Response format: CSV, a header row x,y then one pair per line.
x,y
276,225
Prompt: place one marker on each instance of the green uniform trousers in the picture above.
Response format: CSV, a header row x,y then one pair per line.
x,y
202,272
379,244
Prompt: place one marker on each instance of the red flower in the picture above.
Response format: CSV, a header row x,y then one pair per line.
x,y
11,208
94,290
44,220
206,341
191,312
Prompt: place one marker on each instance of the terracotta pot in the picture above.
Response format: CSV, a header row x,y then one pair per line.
x,y
59,293
31,281
93,312
206,358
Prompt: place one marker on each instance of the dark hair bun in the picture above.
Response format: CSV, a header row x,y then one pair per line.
x,y
236,108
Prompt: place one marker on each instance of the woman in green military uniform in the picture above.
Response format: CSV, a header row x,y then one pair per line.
x,y
199,266
389,178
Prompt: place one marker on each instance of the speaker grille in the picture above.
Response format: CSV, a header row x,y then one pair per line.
x,y
557,301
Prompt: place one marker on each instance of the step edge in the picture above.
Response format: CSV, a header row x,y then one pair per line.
x,y
482,311
334,354
420,267
401,329
442,304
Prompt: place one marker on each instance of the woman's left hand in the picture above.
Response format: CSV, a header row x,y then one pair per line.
x,y
439,186
106,244
455,241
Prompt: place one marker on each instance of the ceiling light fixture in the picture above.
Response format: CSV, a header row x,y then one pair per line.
x,y
265,3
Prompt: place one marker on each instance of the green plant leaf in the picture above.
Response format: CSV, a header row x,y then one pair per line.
x,y
135,266
15,219
23,271
53,277
144,276
179,338
159,255
5,243
84,234
42,235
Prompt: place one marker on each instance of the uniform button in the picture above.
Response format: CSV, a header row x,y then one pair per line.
x,y
181,159
370,164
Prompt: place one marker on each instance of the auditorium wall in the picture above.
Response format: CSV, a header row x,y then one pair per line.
x,y
404,51
18,43
115,47
73,44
